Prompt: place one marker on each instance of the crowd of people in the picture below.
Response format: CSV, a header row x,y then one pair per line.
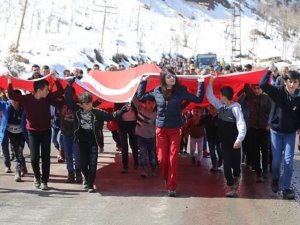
x,y
259,130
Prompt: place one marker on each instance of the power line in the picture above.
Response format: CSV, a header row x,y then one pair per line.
x,y
106,9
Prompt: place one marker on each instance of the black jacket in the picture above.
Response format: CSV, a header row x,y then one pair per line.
x,y
283,116
259,107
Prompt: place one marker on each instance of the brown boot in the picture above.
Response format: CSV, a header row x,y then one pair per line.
x,y
232,192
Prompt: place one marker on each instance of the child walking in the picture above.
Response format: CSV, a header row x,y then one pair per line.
x,y
38,124
145,131
86,131
13,126
211,127
284,122
196,132
232,131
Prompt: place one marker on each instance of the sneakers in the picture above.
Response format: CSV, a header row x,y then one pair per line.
x,y
275,185
36,183
232,192
24,171
101,150
44,187
7,170
91,190
288,194
18,176
172,193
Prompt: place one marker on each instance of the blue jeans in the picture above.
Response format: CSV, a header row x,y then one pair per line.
x,y
71,149
56,138
5,150
147,151
283,144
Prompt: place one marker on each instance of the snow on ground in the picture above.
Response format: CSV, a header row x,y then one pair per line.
x,y
61,33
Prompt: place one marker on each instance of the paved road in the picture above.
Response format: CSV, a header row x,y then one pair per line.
x,y
129,199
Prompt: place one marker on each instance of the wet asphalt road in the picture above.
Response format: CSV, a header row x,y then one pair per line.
x,y
130,199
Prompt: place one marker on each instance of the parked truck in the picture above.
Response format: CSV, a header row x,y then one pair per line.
x,y
203,60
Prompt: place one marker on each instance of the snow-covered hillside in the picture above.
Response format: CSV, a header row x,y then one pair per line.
x,y
62,33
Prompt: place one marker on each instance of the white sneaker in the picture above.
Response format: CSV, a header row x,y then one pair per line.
x,y
44,187
17,177
91,190
37,184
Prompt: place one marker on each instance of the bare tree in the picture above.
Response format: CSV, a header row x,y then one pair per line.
x,y
185,32
22,24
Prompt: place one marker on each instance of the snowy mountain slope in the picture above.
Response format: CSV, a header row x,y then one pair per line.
x,y
61,33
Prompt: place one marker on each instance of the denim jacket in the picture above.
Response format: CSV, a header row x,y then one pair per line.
x,y
5,107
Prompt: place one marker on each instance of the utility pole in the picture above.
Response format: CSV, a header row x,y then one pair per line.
x,y
105,12
140,9
236,33
138,20
285,31
21,25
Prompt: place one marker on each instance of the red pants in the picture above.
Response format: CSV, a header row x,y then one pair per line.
x,y
167,147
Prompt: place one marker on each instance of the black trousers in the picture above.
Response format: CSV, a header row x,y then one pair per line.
x,y
39,145
259,146
116,137
88,151
127,130
247,151
232,162
17,142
